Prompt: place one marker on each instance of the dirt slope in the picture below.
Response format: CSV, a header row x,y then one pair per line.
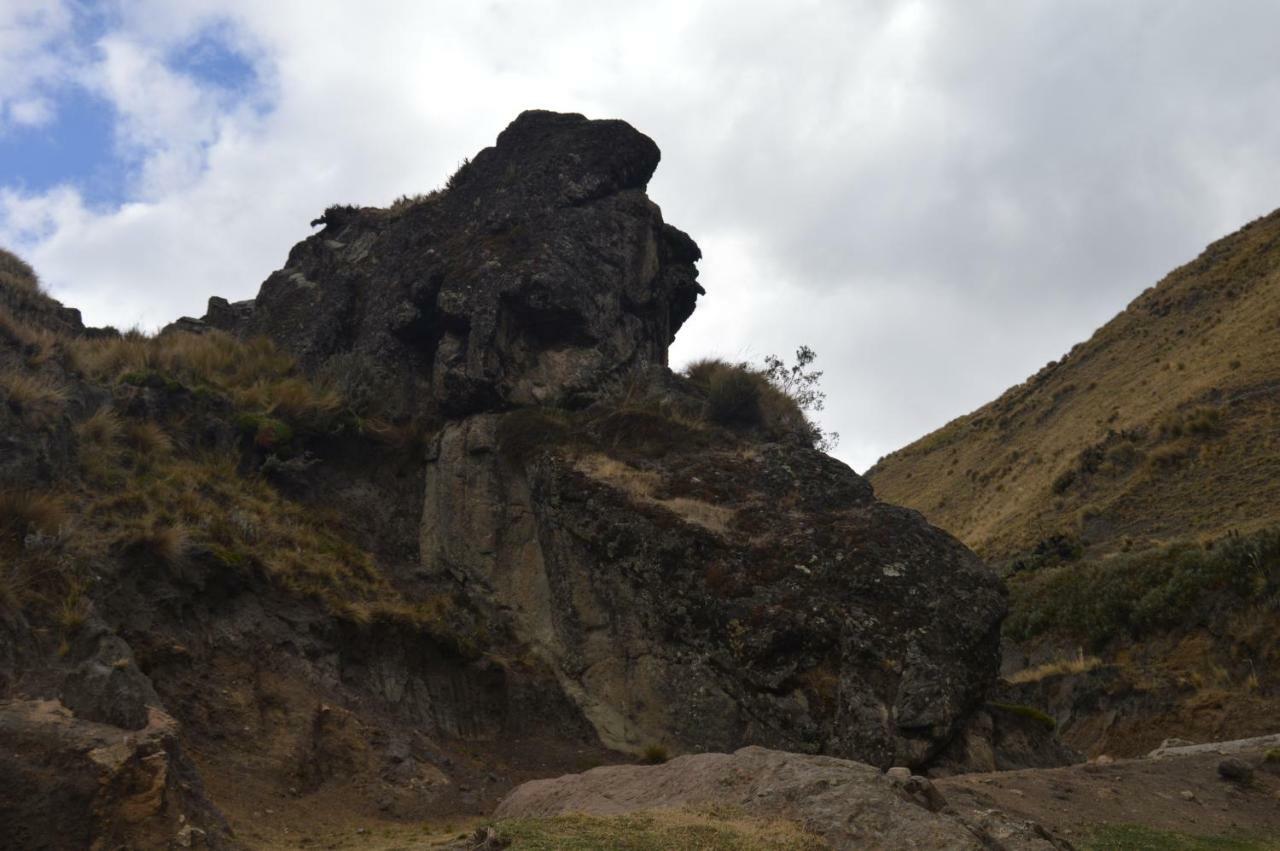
x,y
1162,425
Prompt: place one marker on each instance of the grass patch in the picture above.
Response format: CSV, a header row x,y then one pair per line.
x,y
1132,837
655,755
1028,712
38,399
657,831
1137,594
1077,664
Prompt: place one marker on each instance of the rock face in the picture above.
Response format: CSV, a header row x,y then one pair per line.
x,y
688,586
542,271
848,804
73,783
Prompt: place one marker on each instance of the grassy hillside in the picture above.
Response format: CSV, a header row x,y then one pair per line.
x,y
1164,426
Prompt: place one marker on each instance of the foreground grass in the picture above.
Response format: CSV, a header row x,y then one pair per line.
x,y
1136,838
656,832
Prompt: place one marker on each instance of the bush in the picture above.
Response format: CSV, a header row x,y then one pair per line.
x,y
1142,593
774,398
733,398
654,755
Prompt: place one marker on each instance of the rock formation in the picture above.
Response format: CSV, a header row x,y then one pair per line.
x,y
703,593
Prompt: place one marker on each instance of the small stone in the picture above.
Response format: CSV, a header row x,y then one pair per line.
x,y
189,837
1236,770
1104,759
899,774
1187,795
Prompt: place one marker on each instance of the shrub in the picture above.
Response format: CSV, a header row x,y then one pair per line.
x,y
654,755
733,398
1137,594
267,432
774,398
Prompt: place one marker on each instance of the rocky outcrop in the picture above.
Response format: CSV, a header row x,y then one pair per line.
x,y
73,783
717,593
688,586
848,804
543,271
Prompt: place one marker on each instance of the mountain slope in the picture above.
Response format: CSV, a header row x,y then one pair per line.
x,y
1162,426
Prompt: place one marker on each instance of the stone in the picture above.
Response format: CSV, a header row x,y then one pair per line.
x,y
543,270
1236,770
849,804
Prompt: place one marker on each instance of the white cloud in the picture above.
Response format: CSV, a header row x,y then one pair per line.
x,y
937,197
31,112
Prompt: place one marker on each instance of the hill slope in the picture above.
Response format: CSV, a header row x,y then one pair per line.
x,y
1163,425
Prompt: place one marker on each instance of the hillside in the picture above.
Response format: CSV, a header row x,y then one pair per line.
x,y
1131,496
1165,425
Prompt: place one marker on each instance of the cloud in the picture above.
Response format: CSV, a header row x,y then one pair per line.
x,y
31,112
938,198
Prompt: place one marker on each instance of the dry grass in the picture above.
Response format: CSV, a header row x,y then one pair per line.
x,y
1207,430
37,398
16,274
147,438
641,485
24,511
740,395
103,428
1077,664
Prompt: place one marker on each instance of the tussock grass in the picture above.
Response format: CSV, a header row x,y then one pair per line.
x,y
103,428
25,511
17,274
1077,664
742,396
38,398
147,438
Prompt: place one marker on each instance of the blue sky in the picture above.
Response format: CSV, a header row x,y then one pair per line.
x,y
937,197
72,137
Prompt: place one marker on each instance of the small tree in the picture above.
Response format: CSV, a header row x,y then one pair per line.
x,y
800,382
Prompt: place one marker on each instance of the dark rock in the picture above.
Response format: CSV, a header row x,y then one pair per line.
x,y
543,271
108,688
1236,770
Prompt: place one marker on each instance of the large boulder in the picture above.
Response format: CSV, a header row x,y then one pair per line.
x,y
710,593
847,804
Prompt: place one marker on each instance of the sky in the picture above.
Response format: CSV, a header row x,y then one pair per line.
x,y
937,197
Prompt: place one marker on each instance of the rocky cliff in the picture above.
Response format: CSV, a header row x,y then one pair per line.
x,y
430,515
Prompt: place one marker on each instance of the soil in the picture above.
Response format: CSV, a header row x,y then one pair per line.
x,y
1072,801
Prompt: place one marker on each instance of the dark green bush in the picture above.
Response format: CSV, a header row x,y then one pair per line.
x,y
733,398
1143,593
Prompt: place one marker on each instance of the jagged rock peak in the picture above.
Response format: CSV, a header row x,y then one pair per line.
x,y
539,274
